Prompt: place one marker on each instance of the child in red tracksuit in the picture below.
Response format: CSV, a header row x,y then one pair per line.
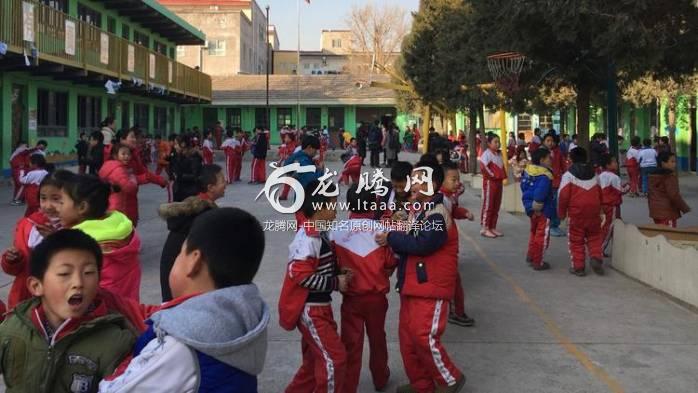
x,y
611,197
493,175
30,231
285,151
364,304
427,274
632,163
452,189
351,171
306,302
231,148
31,181
579,199
207,149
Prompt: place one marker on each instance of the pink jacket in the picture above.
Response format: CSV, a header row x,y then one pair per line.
x,y
126,200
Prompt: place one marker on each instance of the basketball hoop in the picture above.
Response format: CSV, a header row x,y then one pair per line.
x,y
505,68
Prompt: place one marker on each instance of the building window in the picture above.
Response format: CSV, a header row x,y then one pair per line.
x,y
306,66
260,117
111,25
524,122
172,53
126,32
233,117
52,114
336,43
161,48
90,16
125,114
283,117
89,113
60,5
180,52
141,38
216,47
160,120
141,116
313,118
111,108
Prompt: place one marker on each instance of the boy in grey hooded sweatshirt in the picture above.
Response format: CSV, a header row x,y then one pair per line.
x,y
213,335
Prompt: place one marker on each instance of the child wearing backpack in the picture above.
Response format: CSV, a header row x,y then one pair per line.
x,y
84,206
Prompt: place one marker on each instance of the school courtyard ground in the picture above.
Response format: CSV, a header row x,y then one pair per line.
x,y
535,331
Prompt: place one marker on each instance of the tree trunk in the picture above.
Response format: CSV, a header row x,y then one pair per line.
x,y
632,121
694,135
481,116
472,152
583,97
671,120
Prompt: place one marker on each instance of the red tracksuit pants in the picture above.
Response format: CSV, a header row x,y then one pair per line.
x,y
634,178
491,202
669,223
610,213
259,170
229,168
18,194
427,365
539,238
459,297
584,233
324,357
359,314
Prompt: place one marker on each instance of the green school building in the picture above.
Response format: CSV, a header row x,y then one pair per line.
x,y
60,58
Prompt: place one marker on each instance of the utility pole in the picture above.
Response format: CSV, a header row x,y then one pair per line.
x,y
268,49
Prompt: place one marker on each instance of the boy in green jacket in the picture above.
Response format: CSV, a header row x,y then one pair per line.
x,y
64,339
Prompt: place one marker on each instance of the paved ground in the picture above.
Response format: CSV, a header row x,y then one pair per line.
x,y
535,332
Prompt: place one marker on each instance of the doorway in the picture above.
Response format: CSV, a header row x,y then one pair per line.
x,y
19,115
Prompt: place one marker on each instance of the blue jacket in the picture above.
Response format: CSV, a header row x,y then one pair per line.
x,y
303,159
537,190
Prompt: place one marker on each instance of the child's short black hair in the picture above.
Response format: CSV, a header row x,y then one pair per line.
x,y
449,166
664,139
400,170
65,239
312,201
606,159
93,191
209,176
310,140
539,155
429,159
647,142
360,202
437,173
218,234
97,136
58,179
42,142
664,157
38,160
635,141
578,155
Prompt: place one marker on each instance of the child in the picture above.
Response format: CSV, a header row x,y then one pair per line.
x,y
65,339
207,149
611,197
164,149
632,163
351,171
493,175
558,166
536,141
573,145
212,336
537,198
259,157
81,148
665,202
31,180
230,147
30,231
285,151
364,303
118,172
518,164
398,193
598,148
580,199
84,207
451,189
95,153
181,215
306,302
648,162
427,274
521,144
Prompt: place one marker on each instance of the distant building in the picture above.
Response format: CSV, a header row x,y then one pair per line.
x,y
236,31
273,37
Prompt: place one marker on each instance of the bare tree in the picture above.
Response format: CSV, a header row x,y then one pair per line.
x,y
377,33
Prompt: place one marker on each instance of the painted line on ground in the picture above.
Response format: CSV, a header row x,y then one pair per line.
x,y
564,341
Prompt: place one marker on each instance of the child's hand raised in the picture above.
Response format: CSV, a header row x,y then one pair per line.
x,y
12,254
44,230
471,216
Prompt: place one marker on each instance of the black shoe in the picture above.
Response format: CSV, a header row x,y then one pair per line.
x,y
597,266
542,266
578,273
452,389
529,261
461,320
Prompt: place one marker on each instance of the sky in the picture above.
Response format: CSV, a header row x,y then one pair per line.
x,y
316,16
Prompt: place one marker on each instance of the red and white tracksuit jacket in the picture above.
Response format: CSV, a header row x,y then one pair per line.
x,y
632,163
365,304
31,182
534,144
493,175
232,148
426,281
611,199
559,166
351,171
458,213
579,198
207,151
306,303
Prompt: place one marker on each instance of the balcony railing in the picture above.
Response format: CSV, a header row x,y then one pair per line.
x,y
62,39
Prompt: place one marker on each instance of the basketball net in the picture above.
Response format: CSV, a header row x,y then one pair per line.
x,y
505,69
